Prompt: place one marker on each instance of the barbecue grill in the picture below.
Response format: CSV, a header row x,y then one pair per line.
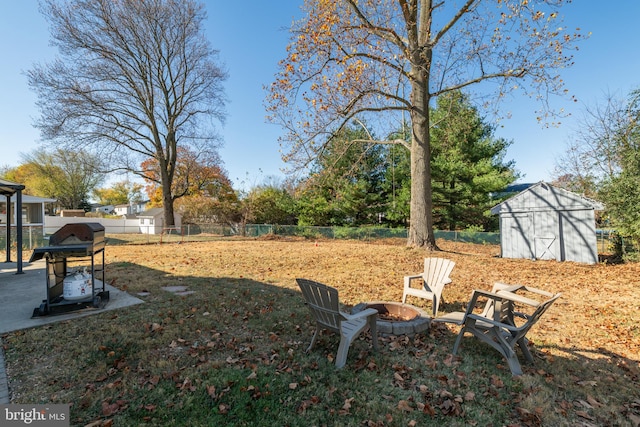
x,y
73,243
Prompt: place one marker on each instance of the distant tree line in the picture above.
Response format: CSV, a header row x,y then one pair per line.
x,y
352,183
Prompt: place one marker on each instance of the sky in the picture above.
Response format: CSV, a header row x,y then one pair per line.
x,y
251,37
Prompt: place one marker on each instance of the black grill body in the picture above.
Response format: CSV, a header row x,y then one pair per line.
x,y
76,242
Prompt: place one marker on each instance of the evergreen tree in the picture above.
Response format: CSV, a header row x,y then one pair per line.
x,y
355,183
467,165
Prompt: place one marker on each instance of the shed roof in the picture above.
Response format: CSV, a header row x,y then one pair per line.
x,y
153,212
546,197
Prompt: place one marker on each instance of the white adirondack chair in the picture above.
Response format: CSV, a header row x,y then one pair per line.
x,y
324,305
432,280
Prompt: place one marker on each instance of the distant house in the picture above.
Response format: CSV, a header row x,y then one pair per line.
x,y
122,210
152,221
133,208
139,207
33,210
105,209
547,222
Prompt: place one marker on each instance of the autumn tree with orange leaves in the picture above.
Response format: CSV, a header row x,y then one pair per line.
x,y
379,61
201,188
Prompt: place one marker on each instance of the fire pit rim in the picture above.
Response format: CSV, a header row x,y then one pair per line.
x,y
417,324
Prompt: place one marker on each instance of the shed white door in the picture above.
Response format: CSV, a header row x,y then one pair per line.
x,y
546,239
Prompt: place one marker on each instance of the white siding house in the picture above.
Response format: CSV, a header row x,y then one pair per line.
x,y
133,208
122,210
139,207
547,222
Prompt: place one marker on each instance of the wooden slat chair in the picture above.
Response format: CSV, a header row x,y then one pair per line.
x,y
499,327
324,305
433,278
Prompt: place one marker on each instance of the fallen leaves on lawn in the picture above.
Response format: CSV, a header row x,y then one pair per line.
x,y
187,385
529,418
302,408
347,406
451,407
405,406
578,325
153,327
109,408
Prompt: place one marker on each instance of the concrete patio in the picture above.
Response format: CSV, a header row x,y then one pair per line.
x,y
20,294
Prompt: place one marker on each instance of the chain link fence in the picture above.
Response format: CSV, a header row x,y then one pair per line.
x,y
32,237
363,233
35,236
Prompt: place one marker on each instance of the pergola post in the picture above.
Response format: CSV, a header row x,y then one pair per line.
x,y
8,239
19,230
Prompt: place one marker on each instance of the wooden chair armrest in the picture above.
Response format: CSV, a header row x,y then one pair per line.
x,y
456,317
497,297
364,313
480,293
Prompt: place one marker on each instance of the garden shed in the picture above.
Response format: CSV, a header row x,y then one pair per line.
x,y
547,222
152,221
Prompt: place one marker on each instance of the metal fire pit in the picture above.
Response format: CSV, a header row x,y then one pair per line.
x,y
395,318
75,242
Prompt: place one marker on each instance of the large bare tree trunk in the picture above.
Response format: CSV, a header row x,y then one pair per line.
x,y
167,205
167,170
421,216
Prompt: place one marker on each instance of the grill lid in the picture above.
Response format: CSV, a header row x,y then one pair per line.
x,y
81,232
76,239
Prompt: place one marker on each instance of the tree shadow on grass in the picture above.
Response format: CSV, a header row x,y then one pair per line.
x,y
231,350
569,385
